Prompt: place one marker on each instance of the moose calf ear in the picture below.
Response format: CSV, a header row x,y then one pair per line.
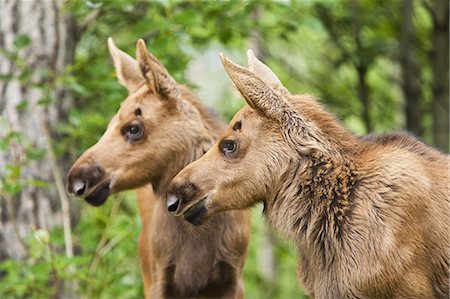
x,y
156,75
264,72
126,68
256,92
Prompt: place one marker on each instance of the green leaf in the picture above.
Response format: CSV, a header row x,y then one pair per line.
x,y
21,41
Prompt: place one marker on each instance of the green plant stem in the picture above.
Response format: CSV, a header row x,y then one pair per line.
x,y
102,246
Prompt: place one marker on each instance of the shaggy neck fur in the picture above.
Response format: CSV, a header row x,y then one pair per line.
x,y
315,202
314,207
315,198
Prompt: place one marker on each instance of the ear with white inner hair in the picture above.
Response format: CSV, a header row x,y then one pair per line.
x,y
264,72
156,75
257,93
126,68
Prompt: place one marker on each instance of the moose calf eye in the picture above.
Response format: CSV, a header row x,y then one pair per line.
x,y
132,132
228,147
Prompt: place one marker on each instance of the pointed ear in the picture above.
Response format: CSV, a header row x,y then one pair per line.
x,y
256,92
126,68
264,72
156,75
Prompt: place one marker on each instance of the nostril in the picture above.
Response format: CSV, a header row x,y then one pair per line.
x,y
79,187
172,203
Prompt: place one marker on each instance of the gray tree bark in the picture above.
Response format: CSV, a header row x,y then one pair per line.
x,y
37,42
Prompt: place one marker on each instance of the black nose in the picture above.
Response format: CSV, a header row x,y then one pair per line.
x,y
172,203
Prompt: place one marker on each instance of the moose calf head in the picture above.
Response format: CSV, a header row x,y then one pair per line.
x,y
248,161
147,131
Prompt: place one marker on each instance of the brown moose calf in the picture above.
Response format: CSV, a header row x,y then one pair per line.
x,y
369,216
160,128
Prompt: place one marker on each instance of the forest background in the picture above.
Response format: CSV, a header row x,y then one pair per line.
x,y
378,65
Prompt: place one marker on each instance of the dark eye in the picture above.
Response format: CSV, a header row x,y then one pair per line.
x,y
228,147
133,132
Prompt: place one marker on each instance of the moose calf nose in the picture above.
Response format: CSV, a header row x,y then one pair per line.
x,y
172,203
81,178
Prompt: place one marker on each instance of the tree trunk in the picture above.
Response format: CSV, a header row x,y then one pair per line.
x,y
410,71
440,61
37,42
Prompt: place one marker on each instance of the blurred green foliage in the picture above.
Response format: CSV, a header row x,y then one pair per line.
x,y
309,44
105,264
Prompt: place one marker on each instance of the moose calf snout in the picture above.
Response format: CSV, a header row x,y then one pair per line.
x,y
80,179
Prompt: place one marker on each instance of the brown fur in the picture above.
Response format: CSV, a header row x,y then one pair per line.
x,y
146,201
369,216
178,260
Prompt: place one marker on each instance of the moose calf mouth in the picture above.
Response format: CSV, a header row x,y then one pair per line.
x,y
99,194
196,214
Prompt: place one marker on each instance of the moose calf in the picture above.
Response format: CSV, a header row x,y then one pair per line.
x,y
160,128
369,216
